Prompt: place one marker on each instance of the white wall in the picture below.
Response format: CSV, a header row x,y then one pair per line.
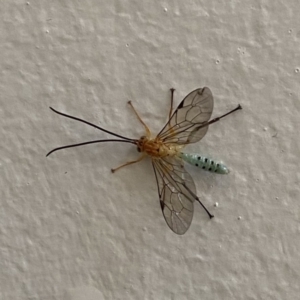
x,y
69,229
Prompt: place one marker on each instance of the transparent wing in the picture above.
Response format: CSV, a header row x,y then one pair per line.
x,y
188,124
177,193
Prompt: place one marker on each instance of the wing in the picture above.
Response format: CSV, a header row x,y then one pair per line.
x,y
188,124
177,193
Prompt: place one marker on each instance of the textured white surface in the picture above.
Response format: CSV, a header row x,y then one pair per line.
x,y
69,227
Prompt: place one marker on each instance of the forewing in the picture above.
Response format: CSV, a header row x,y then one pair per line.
x,y
188,124
177,191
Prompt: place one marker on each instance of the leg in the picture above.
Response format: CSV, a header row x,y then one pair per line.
x,y
171,108
140,119
196,198
219,118
209,214
172,100
128,163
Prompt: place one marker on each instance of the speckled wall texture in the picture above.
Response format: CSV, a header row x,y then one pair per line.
x,y
69,228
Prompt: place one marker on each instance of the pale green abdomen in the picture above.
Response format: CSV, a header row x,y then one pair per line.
x,y
204,163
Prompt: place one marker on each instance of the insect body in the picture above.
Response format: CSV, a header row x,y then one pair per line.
x,y
156,147
176,188
204,163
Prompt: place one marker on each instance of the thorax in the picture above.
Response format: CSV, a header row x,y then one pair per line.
x,y
156,148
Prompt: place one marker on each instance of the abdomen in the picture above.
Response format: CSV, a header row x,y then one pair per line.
x,y
204,163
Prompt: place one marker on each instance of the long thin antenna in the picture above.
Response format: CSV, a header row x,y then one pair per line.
x,y
90,124
87,143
